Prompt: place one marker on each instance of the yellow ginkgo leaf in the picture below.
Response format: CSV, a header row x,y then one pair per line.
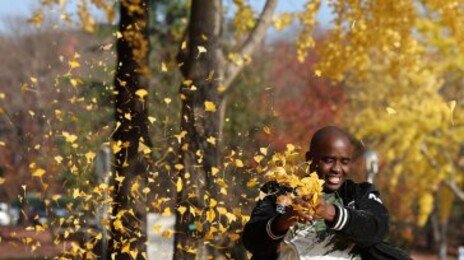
x,y
58,159
167,233
210,106
90,156
166,212
76,193
164,68
214,171
70,138
267,130
179,185
151,119
182,210
238,163
391,111
211,140
141,93
38,173
74,64
201,49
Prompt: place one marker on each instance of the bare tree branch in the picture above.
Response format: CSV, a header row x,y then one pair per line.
x,y
451,183
455,188
254,38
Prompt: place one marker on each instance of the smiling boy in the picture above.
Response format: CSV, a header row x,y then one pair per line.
x,y
350,221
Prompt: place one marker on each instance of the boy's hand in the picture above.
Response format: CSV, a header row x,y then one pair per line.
x,y
283,222
325,210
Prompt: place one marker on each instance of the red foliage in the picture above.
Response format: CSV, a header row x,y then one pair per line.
x,y
303,101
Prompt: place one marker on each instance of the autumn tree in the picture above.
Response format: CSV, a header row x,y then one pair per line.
x,y
397,69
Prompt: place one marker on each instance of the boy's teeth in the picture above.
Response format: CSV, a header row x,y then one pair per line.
x,y
334,180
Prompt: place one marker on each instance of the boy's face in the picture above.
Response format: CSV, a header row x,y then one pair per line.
x,y
332,161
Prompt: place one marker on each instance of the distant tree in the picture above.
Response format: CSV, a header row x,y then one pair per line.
x,y
303,101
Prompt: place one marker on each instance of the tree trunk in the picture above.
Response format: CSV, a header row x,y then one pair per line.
x,y
131,136
442,250
209,77
203,65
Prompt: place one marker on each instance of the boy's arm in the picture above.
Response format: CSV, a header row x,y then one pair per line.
x,y
368,224
257,236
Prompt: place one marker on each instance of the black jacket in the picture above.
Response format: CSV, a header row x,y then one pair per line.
x,y
363,218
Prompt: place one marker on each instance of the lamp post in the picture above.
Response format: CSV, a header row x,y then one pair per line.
x,y
372,165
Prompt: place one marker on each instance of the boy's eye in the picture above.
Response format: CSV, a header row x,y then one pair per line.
x,y
346,161
328,160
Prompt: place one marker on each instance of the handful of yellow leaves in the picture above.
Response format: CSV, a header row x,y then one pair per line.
x,y
291,170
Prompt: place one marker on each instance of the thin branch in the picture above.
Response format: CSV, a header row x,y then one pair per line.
x,y
249,45
450,183
455,188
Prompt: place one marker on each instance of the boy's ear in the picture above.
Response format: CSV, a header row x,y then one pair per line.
x,y
308,156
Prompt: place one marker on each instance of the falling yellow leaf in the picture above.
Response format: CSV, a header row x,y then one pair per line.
x,y
37,18
156,228
258,158
135,187
167,101
58,159
166,212
76,193
141,93
118,224
120,179
214,171
211,140
267,130
151,119
70,138
201,49
33,79
38,173
164,68
212,203
179,166
210,215
391,111
251,183
167,233
143,148
90,156
238,163
182,210
179,185
210,106
74,64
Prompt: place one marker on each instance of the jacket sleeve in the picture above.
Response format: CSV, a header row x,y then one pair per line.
x,y
257,235
368,224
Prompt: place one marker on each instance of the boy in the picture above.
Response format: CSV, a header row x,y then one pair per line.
x,y
350,221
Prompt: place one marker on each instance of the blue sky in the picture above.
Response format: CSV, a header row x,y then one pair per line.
x,y
25,7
